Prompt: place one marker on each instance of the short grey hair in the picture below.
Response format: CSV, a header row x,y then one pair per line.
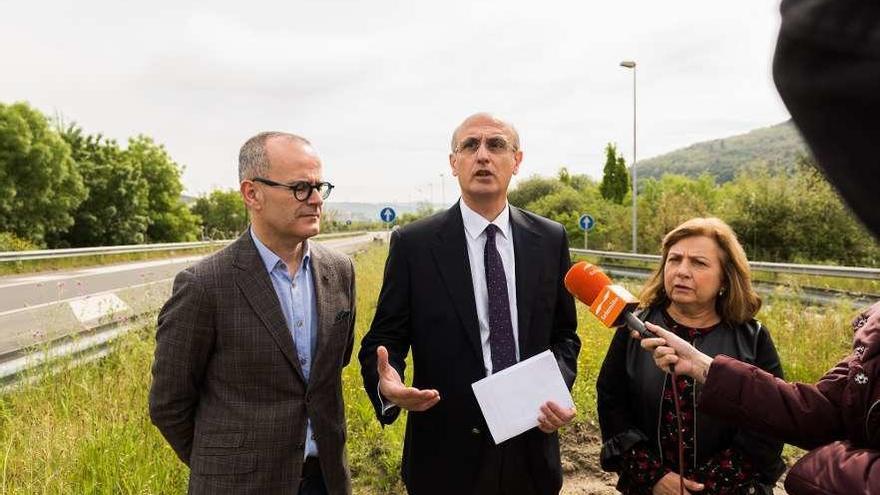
x,y
252,159
485,115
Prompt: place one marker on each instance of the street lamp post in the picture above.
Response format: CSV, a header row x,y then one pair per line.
x,y
629,64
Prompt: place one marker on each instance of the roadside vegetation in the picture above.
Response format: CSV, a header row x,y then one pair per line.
x,y
87,430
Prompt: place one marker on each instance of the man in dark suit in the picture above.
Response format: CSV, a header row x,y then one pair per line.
x,y
471,291
251,344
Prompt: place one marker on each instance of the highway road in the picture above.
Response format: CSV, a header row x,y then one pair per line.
x,y
36,308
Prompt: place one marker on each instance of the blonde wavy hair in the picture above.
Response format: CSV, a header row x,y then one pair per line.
x,y
738,301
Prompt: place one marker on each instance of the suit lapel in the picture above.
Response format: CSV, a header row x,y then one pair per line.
x,y
253,281
451,255
527,252
323,276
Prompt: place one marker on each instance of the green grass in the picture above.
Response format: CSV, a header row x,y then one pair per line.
x,y
87,430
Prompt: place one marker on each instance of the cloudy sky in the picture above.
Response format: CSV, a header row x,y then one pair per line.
x,y
378,85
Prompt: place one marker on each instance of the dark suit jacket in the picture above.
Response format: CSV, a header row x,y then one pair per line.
x,y
228,392
427,304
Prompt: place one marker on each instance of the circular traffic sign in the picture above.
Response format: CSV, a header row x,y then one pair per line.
x,y
586,222
387,214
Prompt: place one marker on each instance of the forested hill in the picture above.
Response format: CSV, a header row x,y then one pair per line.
x,y
777,146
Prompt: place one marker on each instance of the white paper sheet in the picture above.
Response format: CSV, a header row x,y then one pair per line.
x,y
511,399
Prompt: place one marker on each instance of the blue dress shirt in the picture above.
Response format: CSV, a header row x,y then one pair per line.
x,y
297,297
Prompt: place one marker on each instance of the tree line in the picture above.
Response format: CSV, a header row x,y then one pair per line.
x,y
61,187
784,214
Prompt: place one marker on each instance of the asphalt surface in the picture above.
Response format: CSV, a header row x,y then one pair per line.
x,y
41,307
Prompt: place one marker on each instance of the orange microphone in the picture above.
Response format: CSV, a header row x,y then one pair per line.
x,y
612,304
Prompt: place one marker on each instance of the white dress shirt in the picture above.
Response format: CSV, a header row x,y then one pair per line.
x,y
475,235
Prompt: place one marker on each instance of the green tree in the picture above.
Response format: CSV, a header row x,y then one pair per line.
x,y
664,204
9,242
531,189
116,210
615,180
224,215
794,217
39,183
567,204
169,219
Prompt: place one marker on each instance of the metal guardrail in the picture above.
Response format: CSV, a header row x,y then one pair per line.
x,y
816,270
43,254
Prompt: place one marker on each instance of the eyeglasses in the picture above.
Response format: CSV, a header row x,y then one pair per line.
x,y
496,145
301,190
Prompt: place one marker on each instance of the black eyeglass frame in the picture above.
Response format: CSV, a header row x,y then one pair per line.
x,y
301,190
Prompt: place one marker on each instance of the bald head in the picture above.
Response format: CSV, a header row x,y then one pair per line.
x,y
483,117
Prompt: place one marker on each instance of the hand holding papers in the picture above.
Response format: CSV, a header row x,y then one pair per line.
x,y
512,398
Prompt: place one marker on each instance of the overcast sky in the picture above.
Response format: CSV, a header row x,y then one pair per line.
x,y
378,86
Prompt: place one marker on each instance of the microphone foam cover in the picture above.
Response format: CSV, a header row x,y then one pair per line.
x,y
585,281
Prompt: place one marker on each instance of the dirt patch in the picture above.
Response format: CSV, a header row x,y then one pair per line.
x,y
580,464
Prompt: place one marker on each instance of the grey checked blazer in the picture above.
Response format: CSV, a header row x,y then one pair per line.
x,y
228,393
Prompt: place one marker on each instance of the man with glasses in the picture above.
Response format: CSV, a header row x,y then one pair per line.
x,y
251,344
471,291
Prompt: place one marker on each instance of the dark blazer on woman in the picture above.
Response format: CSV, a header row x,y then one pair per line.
x,y
630,387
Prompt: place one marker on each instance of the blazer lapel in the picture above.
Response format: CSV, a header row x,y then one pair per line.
x,y
323,276
527,252
253,281
451,255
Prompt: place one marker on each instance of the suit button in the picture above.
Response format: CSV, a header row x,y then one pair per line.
x,y
301,446
475,431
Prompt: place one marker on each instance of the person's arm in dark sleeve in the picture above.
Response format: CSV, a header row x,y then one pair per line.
x,y
836,468
619,432
184,342
797,413
640,469
564,341
390,327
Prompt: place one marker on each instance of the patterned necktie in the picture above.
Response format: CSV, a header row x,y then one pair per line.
x,y
501,344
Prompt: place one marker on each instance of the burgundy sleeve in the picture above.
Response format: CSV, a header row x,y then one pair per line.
x,y
797,413
836,468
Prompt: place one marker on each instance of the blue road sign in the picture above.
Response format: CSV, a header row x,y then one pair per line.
x,y
387,214
586,222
